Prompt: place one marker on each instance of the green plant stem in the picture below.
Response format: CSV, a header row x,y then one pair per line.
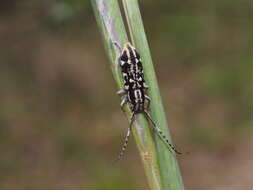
x,y
111,26
170,174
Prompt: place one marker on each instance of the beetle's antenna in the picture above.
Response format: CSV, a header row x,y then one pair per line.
x,y
161,134
126,139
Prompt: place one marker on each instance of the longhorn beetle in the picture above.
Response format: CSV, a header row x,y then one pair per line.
x,y
135,92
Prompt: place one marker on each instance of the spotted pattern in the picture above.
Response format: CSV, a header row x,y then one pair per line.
x,y
134,83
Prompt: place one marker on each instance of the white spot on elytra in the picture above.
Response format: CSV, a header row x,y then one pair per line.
x,y
131,80
122,63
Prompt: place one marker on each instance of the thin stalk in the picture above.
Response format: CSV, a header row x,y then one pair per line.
x,y
170,173
112,29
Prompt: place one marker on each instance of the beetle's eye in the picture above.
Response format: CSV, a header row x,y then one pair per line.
x,y
124,56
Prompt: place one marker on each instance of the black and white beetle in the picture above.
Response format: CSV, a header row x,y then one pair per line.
x,y
135,91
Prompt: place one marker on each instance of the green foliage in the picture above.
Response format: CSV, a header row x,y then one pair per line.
x,y
226,79
182,30
64,12
113,180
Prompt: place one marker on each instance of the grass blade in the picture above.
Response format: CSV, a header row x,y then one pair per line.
x,y
170,174
111,26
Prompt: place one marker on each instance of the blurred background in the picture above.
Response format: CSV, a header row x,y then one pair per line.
x,y
60,122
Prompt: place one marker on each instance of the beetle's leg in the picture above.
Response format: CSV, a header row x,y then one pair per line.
x,y
148,101
123,103
124,100
145,85
117,45
121,92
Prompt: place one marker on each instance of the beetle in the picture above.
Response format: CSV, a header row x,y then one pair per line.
x,y
135,92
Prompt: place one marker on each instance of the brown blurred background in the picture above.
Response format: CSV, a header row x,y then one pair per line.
x,y
60,122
